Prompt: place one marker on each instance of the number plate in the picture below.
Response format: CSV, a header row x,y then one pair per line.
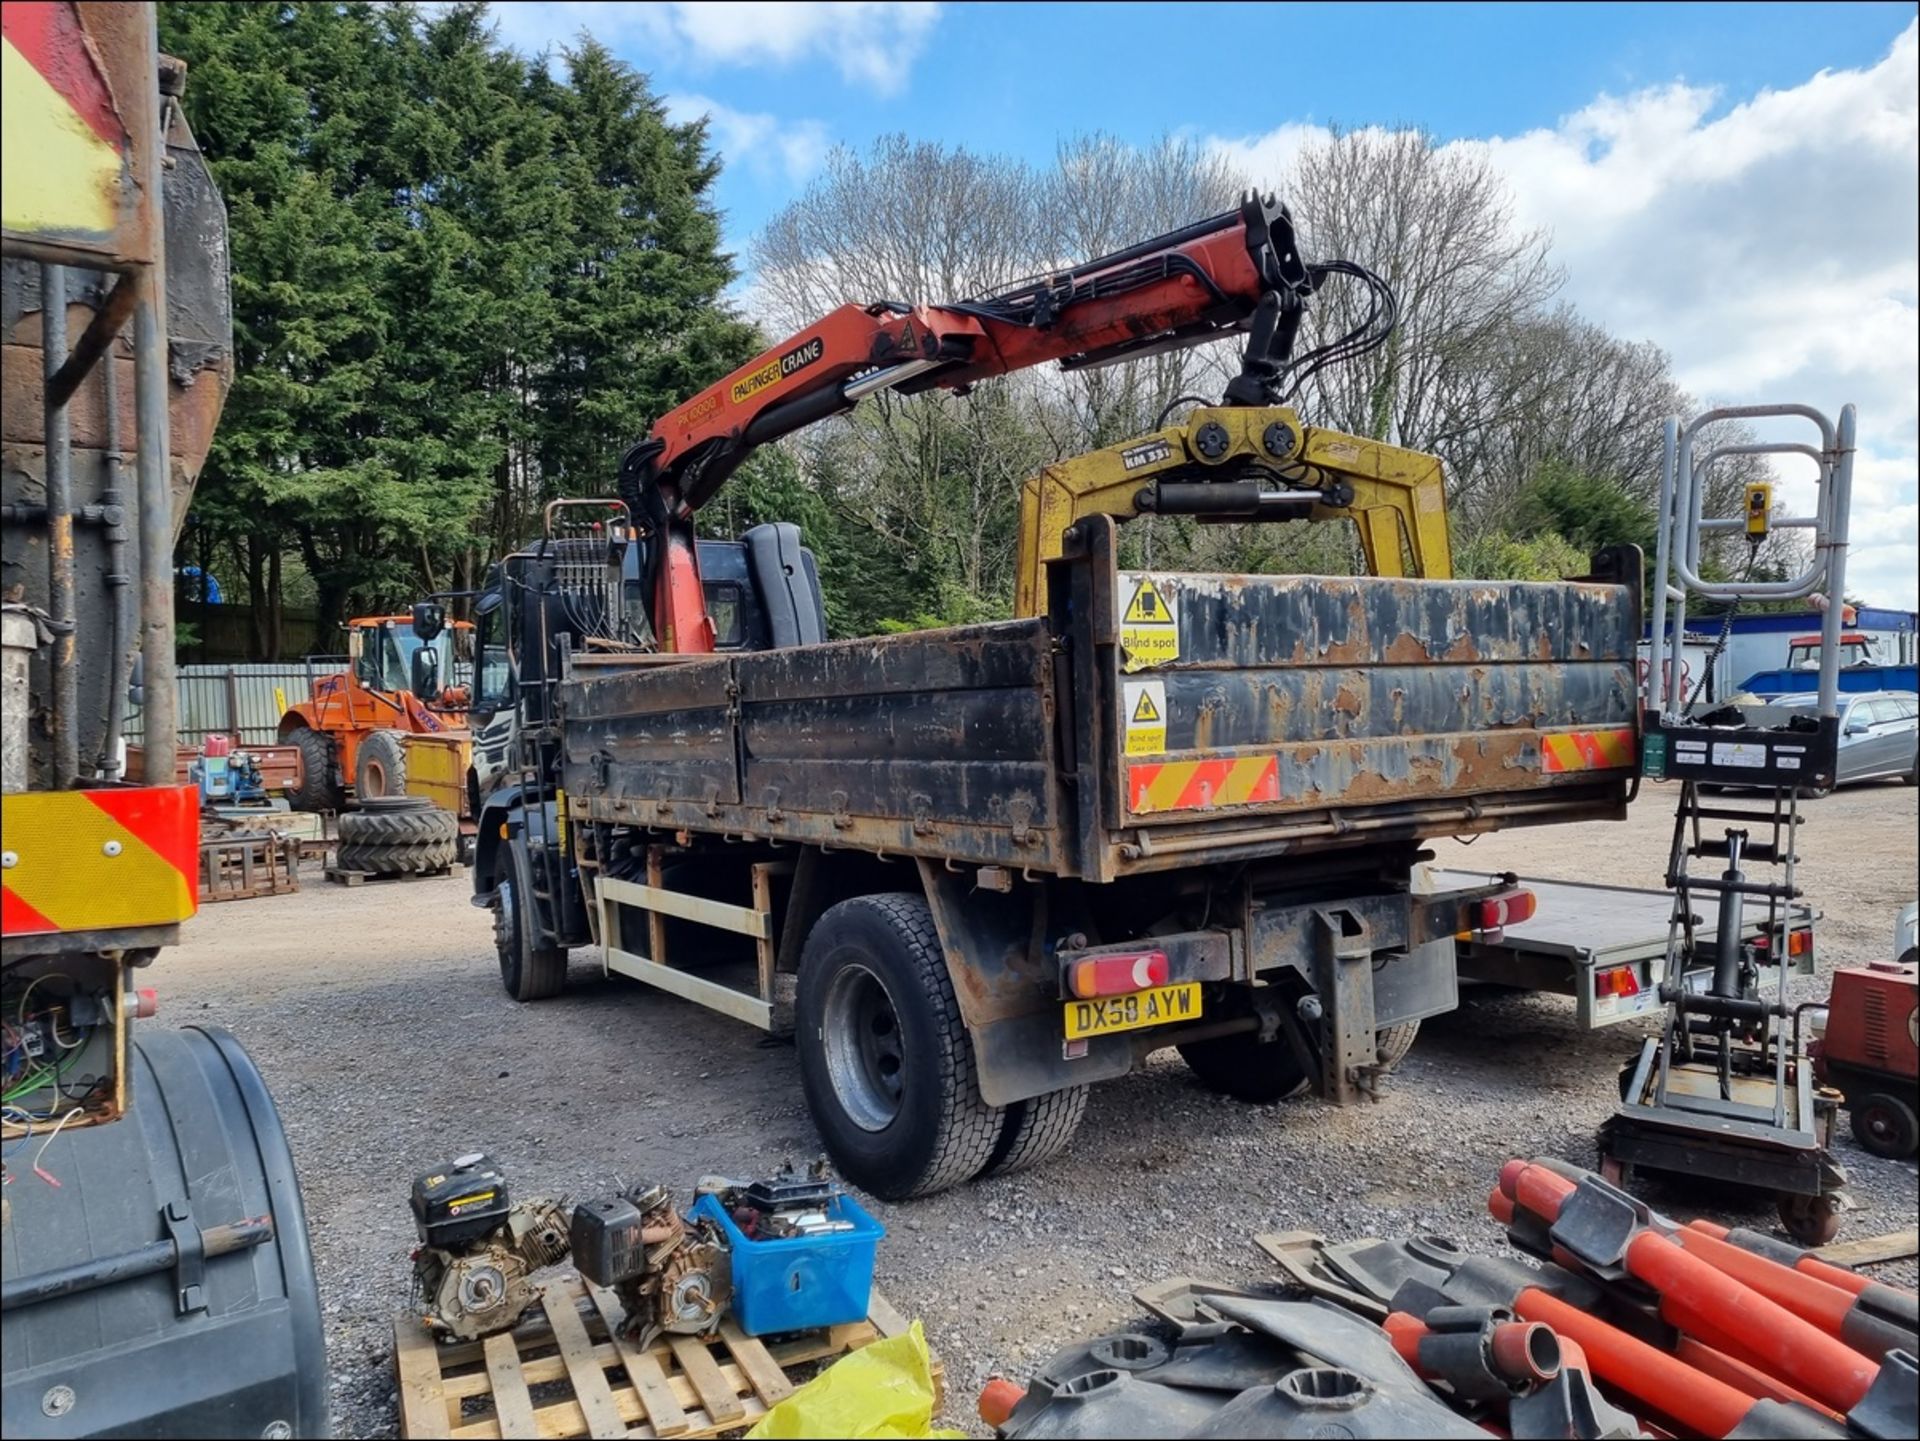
x,y
1153,1007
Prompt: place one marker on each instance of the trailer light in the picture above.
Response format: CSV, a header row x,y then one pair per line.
x,y
1116,975
1506,909
1620,981
1799,943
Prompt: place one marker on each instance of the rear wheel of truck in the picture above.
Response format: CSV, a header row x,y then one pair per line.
x,y
380,766
316,791
1394,1042
885,1058
529,973
1247,1068
1038,1129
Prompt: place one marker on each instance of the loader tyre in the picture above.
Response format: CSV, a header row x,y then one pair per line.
x,y
316,791
420,824
1247,1068
380,766
528,973
1393,1043
396,860
885,1058
1037,1130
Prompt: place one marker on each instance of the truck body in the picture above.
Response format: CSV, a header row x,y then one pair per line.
x,y
1217,782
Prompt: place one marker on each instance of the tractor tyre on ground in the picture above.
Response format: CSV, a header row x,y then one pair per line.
x,y
395,860
527,972
1037,1129
1246,1068
1885,1124
422,823
316,791
380,766
885,1058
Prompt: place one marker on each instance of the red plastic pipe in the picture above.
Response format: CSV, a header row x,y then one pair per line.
x,y
1806,1296
1697,1401
1738,1374
1697,1297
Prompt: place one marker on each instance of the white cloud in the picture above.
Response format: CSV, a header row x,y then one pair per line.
x,y
872,43
763,145
1773,251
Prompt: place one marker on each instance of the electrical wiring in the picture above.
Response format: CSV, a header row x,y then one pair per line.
x,y
40,1155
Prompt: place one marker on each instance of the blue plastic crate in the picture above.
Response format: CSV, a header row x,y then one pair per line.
x,y
800,1282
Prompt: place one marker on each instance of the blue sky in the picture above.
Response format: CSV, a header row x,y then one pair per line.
x,y
1011,78
1736,183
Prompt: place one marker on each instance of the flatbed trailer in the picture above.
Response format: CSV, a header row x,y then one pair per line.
x,y
974,870
1605,946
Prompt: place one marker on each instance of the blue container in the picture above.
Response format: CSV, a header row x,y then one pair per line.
x,y
800,1282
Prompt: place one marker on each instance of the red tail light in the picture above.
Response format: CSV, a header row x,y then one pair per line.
x,y
1116,975
1506,909
1799,943
1620,981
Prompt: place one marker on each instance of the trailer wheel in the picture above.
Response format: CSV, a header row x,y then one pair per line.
x,y
1038,1129
885,1059
380,766
1811,1220
1247,1068
316,791
529,974
1885,1125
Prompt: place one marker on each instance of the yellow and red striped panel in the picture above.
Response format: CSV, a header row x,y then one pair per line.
x,y
98,860
63,135
1202,785
1586,750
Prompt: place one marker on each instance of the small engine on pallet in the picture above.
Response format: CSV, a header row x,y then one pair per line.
x,y
479,1249
671,1274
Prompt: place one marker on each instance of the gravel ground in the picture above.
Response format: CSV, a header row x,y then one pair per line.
x,y
377,1017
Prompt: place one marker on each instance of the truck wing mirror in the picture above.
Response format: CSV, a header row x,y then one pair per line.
x,y
429,619
426,673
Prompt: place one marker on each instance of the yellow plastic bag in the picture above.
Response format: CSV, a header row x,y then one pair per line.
x,y
880,1392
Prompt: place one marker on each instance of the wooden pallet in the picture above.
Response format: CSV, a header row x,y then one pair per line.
x,y
239,865
357,878
566,1371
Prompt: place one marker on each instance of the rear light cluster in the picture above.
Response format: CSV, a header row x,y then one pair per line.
x,y
1620,981
1117,974
1799,943
1506,909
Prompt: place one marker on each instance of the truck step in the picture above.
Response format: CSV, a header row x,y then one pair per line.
x,y
1757,818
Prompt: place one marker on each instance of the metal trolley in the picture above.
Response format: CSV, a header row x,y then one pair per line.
x,y
1726,1091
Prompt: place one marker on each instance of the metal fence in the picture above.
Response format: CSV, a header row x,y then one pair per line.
x,y
243,700
247,700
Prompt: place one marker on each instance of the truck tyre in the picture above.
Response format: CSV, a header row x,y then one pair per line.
x,y
529,974
1885,1125
1394,1042
398,839
1037,1129
380,766
885,1058
1246,1068
316,791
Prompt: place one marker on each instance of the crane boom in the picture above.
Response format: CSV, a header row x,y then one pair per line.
x,y
1239,272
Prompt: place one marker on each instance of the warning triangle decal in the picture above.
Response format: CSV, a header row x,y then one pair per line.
x,y
1146,712
1146,607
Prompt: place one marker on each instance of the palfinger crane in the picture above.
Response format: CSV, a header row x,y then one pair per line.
x,y
1249,458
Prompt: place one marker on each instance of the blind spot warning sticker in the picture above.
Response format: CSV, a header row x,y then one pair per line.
x,y
1146,709
1149,627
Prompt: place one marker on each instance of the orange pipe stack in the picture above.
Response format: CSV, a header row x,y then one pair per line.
x,y
1757,1331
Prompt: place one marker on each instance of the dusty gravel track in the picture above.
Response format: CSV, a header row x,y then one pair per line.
x,y
377,1015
